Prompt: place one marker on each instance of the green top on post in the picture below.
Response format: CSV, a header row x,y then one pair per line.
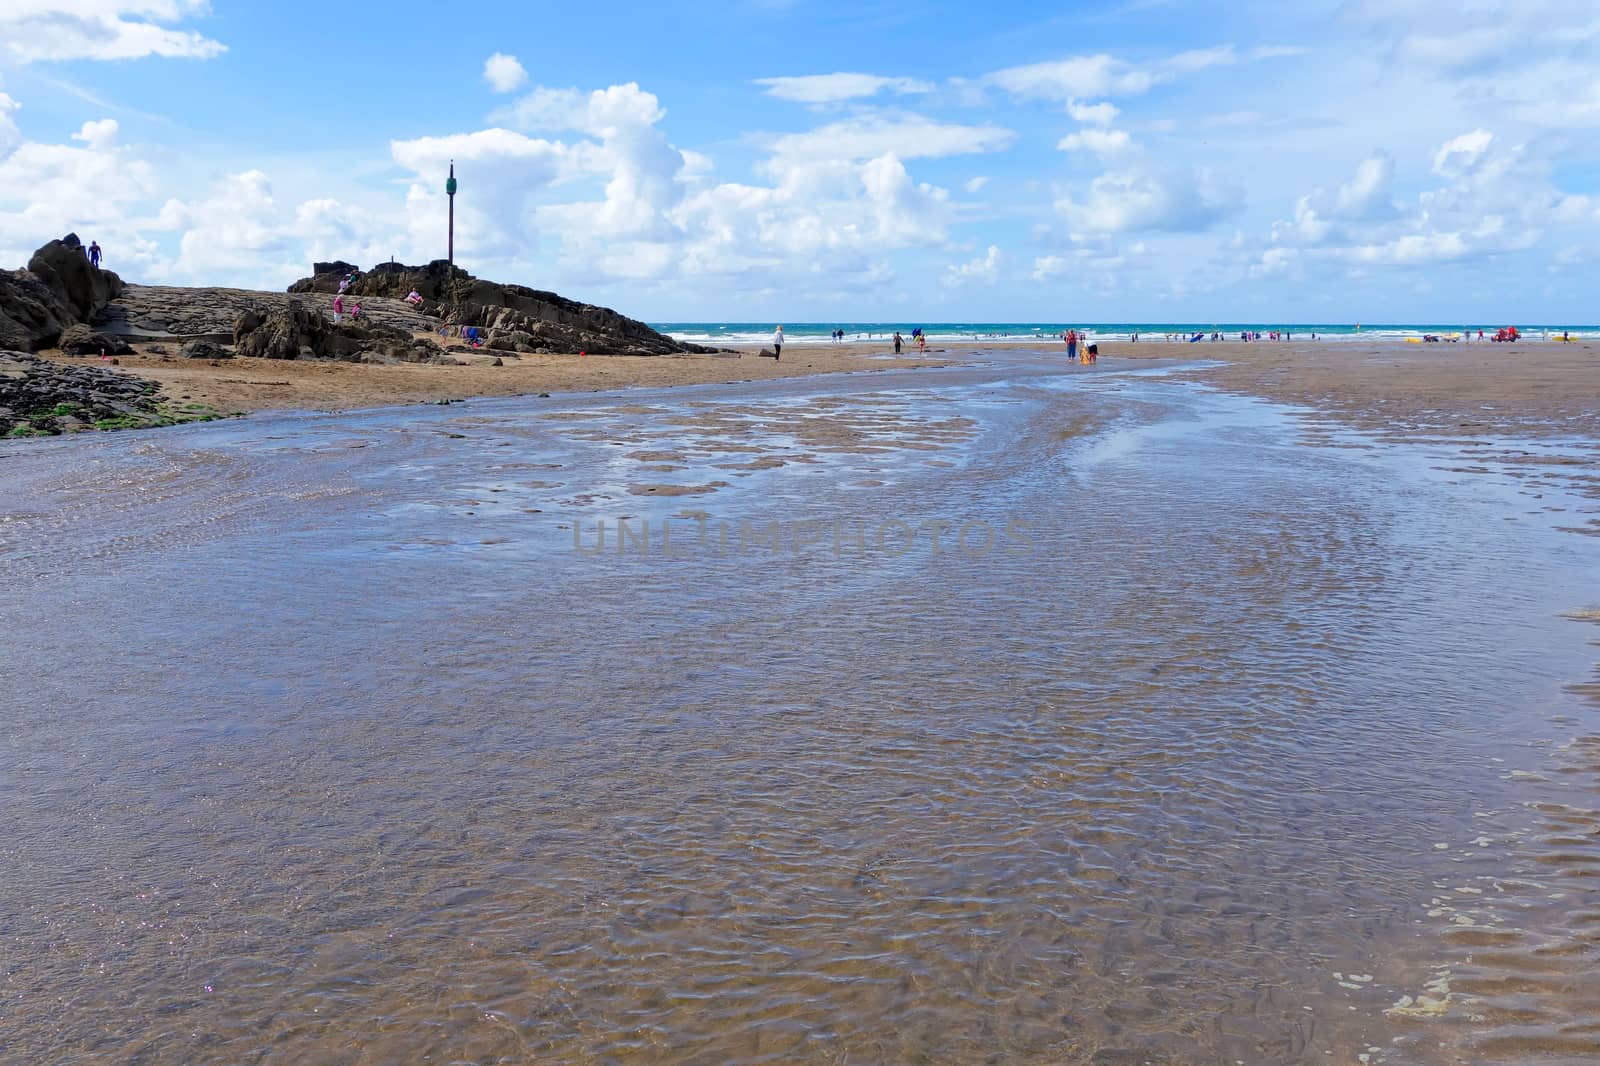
x,y
450,187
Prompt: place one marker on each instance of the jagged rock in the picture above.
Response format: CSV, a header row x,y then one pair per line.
x,y
292,332
67,272
203,349
59,289
281,333
30,315
81,340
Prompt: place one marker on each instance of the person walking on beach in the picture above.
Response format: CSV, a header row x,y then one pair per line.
x,y
777,343
1072,345
897,342
94,254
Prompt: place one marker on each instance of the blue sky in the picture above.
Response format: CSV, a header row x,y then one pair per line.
x,y
1364,160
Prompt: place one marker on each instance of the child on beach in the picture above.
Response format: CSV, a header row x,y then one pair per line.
x,y
413,297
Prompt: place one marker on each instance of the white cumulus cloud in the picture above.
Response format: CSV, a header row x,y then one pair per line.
x,y
1101,114
1100,142
1175,201
504,73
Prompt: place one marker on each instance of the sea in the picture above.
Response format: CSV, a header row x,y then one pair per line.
x,y
740,333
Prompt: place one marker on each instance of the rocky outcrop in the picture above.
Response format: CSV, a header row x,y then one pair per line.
x,y
281,333
166,312
292,332
66,270
38,397
519,319
58,289
30,315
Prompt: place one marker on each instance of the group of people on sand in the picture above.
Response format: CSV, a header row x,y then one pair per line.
x,y
1079,348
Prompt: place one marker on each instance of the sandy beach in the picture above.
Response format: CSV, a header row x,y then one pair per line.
x,y
246,385
1540,389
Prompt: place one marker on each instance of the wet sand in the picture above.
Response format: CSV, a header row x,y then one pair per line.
x,y
1534,388
344,737
1537,389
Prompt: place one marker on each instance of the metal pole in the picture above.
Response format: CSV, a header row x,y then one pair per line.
x,y
450,189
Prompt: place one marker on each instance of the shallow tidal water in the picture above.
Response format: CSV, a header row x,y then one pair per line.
x,y
1195,737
